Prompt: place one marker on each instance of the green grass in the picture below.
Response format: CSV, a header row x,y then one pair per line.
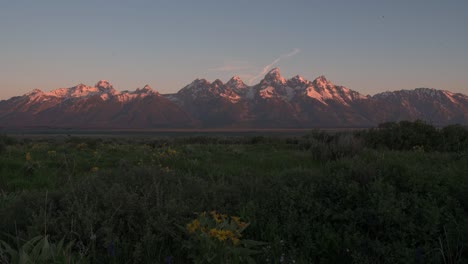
x,y
315,199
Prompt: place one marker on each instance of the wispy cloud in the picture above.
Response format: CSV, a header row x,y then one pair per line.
x,y
268,67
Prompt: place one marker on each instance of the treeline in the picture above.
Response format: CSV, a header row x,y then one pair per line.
x,y
407,135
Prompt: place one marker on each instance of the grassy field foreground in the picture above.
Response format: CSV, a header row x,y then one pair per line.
x,y
397,194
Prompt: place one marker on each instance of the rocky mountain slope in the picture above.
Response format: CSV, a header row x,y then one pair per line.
x,y
275,102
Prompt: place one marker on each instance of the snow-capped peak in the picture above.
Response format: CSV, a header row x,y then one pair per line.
x,y
35,91
146,88
82,90
195,87
298,78
275,71
297,82
127,96
236,83
322,82
235,78
34,94
198,82
274,76
103,84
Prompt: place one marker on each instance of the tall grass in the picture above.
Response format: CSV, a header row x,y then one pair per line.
x,y
321,198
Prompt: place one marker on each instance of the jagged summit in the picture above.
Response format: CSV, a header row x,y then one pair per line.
x,y
103,84
235,78
198,81
297,81
274,71
274,75
273,102
35,91
236,83
218,82
145,89
321,78
322,82
298,78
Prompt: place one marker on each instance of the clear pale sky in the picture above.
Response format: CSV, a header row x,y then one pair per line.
x,y
369,46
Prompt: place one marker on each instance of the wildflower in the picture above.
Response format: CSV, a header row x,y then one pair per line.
x,y
193,226
94,169
219,234
223,235
213,232
51,153
28,156
219,218
216,216
238,222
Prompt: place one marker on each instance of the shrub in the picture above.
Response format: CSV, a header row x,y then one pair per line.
x,y
454,138
217,238
328,147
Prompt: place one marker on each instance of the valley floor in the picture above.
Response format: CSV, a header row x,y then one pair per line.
x,y
316,197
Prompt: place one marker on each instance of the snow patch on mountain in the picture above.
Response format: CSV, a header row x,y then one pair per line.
x,y
267,92
232,97
312,93
104,97
450,96
35,95
127,96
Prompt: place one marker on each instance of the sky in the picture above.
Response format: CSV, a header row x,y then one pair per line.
x,y
369,46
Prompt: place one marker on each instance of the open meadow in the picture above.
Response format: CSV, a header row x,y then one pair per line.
x,y
396,194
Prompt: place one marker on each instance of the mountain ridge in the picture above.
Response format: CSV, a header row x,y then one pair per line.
x,y
275,102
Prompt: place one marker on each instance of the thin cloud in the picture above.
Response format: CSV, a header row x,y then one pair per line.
x,y
268,67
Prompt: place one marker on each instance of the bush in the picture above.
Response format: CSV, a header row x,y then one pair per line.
x,y
454,138
328,147
416,135
6,141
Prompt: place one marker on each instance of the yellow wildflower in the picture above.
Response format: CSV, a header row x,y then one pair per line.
x,y
94,169
238,222
28,156
222,235
51,153
213,232
216,216
193,226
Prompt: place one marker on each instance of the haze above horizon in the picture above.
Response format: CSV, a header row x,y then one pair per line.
x,y
368,46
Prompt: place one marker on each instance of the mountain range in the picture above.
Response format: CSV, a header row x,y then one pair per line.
x,y
275,102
